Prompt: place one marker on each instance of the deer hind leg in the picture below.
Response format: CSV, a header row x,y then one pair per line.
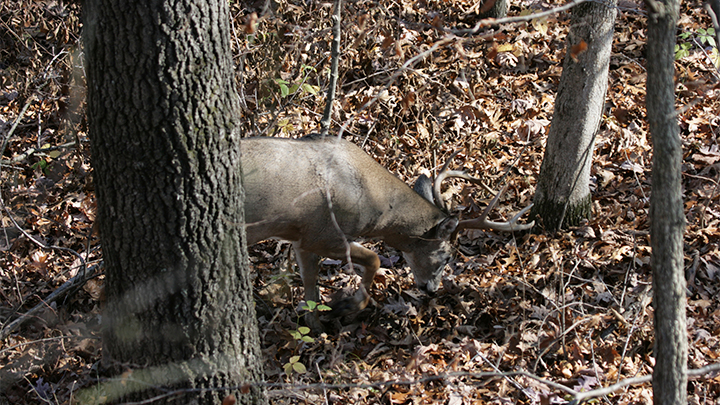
x,y
370,263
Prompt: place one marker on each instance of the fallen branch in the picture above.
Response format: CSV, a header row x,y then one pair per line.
x,y
15,124
582,396
68,286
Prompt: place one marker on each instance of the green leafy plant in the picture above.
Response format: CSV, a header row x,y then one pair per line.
x,y
706,36
311,306
42,165
283,85
288,88
285,126
302,335
702,36
682,50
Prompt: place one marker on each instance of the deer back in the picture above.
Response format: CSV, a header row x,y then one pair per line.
x,y
308,190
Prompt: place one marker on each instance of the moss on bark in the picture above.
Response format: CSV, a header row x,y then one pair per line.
x,y
553,215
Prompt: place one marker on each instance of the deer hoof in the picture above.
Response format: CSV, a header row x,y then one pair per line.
x,y
343,306
312,320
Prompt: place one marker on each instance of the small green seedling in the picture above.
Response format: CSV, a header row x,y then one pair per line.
x,y
312,306
302,334
294,365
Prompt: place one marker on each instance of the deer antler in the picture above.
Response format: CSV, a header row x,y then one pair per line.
x,y
481,222
444,174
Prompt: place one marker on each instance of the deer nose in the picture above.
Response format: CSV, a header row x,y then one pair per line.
x,y
430,287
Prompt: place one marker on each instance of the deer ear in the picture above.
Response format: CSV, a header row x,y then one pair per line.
x,y
446,228
423,186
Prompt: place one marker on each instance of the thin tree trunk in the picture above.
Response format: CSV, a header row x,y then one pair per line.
x,y
562,197
496,9
667,220
162,115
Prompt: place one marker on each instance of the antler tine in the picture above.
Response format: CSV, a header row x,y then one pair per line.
x,y
444,174
481,222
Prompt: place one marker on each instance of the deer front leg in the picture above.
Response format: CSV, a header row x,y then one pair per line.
x,y
370,263
308,263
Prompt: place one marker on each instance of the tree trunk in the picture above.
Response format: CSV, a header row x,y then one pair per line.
x,y
562,197
497,9
162,115
667,220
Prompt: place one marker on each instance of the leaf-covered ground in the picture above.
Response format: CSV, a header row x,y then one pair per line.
x,y
572,307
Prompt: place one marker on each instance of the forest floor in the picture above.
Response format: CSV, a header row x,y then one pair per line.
x,y
573,307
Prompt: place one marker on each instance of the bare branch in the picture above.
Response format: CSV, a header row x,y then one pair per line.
x,y
487,22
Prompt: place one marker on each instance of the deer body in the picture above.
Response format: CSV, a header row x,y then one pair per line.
x,y
322,194
287,183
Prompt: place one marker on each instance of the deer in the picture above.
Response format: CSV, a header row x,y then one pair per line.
x,y
323,194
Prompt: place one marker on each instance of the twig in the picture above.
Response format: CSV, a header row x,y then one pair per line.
x,y
582,396
709,200
702,371
33,151
510,380
633,327
317,367
39,243
712,63
511,20
335,56
50,339
17,121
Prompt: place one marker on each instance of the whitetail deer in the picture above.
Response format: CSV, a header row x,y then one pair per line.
x,y
322,194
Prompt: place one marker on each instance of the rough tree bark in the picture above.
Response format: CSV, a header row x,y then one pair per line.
x,y
496,9
166,155
667,220
562,197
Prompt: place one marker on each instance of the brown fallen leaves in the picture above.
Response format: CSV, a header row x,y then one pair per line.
x,y
573,307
